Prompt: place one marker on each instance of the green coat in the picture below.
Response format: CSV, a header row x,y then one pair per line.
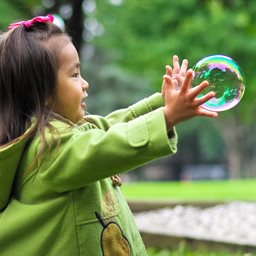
x,y
66,203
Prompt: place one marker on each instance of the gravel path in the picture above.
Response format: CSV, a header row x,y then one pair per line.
x,y
232,222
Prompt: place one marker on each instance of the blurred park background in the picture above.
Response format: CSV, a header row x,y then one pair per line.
x,y
124,46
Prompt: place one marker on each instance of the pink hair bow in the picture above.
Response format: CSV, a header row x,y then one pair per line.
x,y
28,23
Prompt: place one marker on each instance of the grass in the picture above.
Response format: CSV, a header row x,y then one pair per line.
x,y
224,190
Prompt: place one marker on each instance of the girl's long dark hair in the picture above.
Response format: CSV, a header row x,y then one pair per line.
x,y
28,68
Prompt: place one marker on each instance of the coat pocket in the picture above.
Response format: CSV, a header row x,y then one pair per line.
x,y
95,197
137,133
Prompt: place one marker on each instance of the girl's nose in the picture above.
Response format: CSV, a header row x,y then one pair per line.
x,y
85,85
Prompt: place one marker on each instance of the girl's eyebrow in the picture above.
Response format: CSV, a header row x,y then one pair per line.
x,y
75,66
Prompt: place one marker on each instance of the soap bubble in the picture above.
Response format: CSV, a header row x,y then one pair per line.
x,y
225,78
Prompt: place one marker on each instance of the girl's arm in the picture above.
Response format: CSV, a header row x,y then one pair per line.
x,y
87,154
127,114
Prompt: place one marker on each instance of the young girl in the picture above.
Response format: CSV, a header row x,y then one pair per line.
x,y
59,189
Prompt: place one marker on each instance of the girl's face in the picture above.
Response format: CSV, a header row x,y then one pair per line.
x,y
71,88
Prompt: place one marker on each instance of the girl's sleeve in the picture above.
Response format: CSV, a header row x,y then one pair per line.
x,y
140,108
87,154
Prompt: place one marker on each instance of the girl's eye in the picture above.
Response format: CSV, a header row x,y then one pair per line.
x,y
76,75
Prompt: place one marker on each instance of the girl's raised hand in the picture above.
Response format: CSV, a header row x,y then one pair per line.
x,y
177,73
183,104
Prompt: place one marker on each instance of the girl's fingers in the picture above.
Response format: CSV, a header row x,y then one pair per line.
x,y
204,98
179,80
168,70
195,91
207,113
176,64
184,67
187,82
168,81
177,69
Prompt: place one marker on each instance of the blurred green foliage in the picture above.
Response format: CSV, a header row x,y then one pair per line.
x,y
16,10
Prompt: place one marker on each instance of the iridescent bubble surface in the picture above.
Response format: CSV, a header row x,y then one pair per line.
x,y
225,78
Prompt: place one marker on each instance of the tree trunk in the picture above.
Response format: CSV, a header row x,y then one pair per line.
x,y
240,140
75,23
232,133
